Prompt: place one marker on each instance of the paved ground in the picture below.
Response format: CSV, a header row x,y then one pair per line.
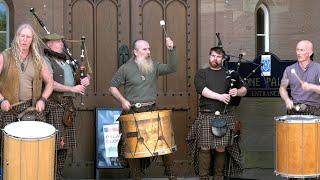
x,y
259,174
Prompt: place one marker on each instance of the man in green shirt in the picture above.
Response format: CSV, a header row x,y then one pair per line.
x,y
139,79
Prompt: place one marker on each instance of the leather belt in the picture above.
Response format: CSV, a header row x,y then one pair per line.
x,y
139,105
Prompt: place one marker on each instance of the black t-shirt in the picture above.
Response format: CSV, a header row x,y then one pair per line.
x,y
214,80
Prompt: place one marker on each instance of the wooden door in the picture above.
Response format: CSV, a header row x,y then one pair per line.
x,y
109,24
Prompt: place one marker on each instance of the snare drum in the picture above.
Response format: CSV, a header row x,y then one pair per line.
x,y
297,146
148,134
29,151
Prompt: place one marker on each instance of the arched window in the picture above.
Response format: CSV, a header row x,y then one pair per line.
x,y
262,30
4,25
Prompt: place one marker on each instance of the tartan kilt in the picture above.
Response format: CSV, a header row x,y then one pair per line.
x,y
310,110
8,117
201,136
66,136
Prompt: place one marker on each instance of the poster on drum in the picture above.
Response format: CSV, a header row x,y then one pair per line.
x,y
111,139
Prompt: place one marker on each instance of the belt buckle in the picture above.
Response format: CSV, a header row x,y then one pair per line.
x,y
137,105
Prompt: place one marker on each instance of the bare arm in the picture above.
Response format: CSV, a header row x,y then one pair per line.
x,y
242,91
119,97
310,87
5,104
206,92
283,91
1,66
48,80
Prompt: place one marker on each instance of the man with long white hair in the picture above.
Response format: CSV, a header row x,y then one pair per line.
x,y
22,73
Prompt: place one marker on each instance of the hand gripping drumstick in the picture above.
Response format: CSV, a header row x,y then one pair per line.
x,y
293,71
163,25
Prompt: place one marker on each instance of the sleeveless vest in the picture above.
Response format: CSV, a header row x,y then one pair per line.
x,y
9,79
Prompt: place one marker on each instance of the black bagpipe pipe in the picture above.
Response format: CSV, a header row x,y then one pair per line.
x,y
83,72
71,61
233,77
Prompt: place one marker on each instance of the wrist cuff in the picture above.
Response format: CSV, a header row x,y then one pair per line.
x,y
43,99
4,99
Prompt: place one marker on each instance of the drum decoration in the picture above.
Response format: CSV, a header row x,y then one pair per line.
x,y
148,134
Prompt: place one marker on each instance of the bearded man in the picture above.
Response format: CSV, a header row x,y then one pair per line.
x,y
139,79
206,145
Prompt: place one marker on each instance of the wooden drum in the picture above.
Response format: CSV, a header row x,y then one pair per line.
x,y
297,146
148,134
29,151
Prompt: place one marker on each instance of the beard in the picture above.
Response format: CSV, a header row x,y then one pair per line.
x,y
214,64
145,66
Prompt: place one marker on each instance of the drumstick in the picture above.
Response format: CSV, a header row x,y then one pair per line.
x,y
162,24
293,71
18,103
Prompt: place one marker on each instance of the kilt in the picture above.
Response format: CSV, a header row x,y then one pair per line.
x,y
200,136
66,136
12,116
310,110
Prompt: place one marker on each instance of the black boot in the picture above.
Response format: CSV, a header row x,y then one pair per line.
x,y
135,169
204,164
168,166
218,165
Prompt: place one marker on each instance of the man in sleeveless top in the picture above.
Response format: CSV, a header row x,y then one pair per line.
x,y
22,73
61,110
206,146
303,78
139,79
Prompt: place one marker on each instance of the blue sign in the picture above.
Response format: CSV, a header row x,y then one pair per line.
x,y
107,137
263,75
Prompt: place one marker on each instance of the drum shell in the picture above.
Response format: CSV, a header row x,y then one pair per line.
x,y
297,146
28,158
156,137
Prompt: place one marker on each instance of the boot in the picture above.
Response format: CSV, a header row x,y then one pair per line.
x,y
135,169
168,166
204,164
218,165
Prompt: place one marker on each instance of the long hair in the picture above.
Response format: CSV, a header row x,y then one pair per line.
x,y
34,47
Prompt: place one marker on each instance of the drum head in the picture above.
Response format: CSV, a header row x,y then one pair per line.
x,y
29,129
298,118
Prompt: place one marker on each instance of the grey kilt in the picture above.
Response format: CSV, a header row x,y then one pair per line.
x,y
200,135
66,136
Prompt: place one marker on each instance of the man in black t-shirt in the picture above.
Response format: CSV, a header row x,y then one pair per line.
x,y
216,92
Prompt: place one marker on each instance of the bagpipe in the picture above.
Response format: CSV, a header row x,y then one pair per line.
x,y
233,78
79,68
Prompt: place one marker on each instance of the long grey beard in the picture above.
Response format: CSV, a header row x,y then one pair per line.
x,y
145,66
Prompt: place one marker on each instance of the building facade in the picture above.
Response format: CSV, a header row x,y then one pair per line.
x,y
250,27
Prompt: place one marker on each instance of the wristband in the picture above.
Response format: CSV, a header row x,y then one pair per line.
x,y
1,101
43,99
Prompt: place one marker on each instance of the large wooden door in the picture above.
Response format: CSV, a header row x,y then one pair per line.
x,y
109,24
